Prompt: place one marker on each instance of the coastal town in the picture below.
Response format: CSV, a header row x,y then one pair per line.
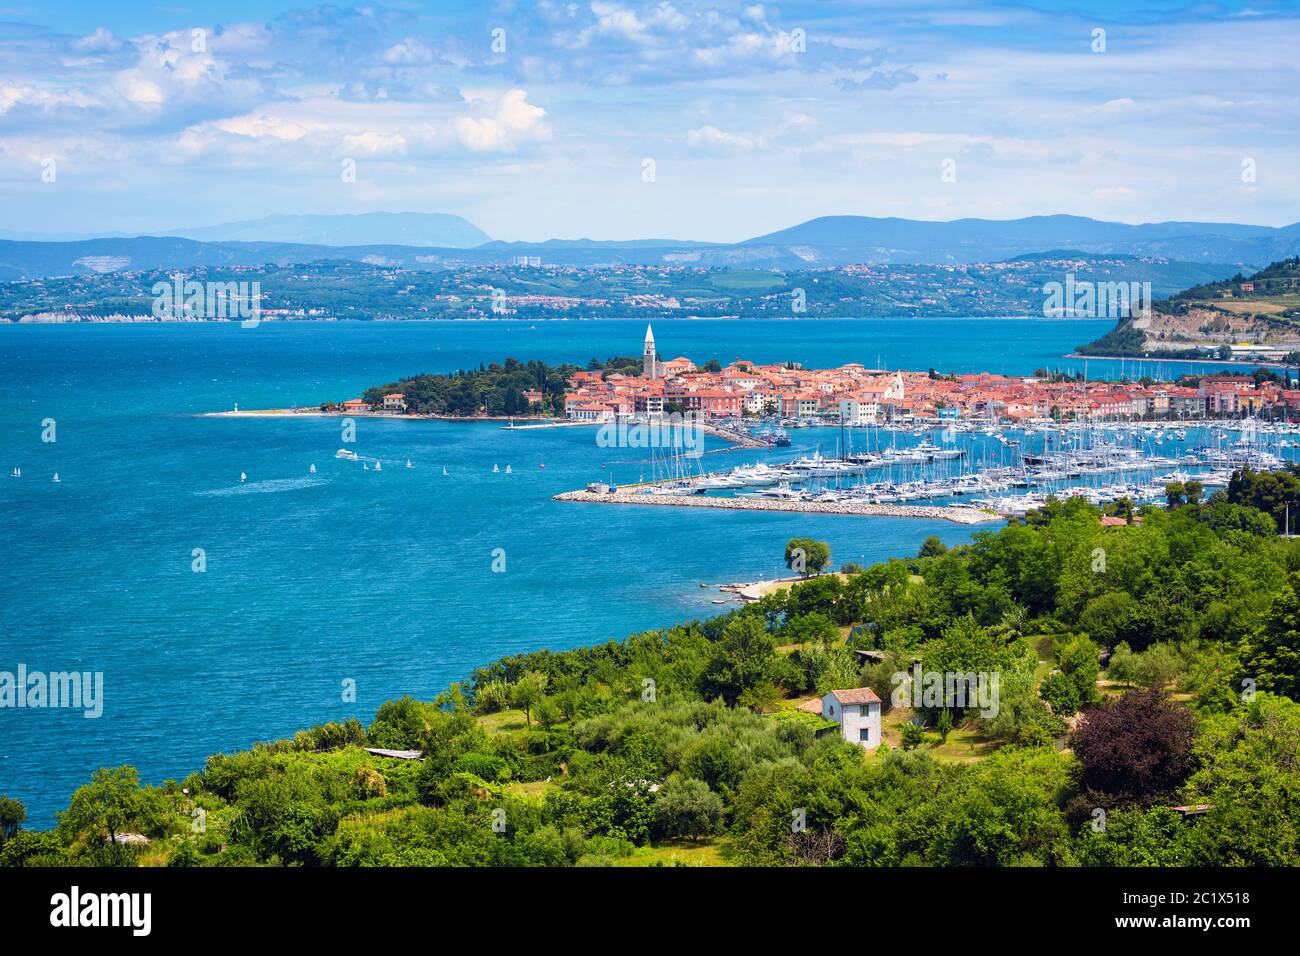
x,y
854,394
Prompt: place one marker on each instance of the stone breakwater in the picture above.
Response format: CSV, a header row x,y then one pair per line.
x,y
957,514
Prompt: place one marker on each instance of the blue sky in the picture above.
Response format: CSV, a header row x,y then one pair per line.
x,y
755,115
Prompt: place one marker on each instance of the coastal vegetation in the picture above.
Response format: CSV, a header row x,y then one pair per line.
x,y
495,389
1207,319
337,289
1147,715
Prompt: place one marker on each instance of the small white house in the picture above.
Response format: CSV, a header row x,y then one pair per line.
x,y
857,711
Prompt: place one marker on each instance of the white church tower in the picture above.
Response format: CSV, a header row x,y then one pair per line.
x,y
648,355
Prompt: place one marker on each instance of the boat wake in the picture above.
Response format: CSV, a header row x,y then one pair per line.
x,y
269,486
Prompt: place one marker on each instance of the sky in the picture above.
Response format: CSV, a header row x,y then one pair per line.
x,y
619,119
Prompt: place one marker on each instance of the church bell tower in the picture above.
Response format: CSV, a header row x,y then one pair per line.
x,y
648,355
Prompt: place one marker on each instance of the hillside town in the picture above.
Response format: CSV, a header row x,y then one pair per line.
x,y
854,394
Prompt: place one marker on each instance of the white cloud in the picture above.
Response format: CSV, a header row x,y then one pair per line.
x,y
101,41
510,120
712,139
408,52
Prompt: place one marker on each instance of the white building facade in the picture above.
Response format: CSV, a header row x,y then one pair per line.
x,y
857,711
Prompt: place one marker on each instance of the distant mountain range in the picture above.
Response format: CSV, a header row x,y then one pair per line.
x,y
359,229
435,241
371,228
860,238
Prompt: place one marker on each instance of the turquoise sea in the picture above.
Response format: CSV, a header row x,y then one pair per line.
x,y
382,578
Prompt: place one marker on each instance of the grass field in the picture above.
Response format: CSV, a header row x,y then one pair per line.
x,y
504,722
711,851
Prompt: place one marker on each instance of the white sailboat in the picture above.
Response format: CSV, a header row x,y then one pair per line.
x,y
243,477
16,473
495,469
508,471
408,463
444,470
379,466
55,479
311,470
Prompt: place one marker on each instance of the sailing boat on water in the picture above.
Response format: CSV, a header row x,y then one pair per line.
x,y
55,479
495,469
408,463
16,473
379,466
444,471
311,470
508,470
243,477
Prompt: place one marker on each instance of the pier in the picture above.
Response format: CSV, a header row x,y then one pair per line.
x,y
954,513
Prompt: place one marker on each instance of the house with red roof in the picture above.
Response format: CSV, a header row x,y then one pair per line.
x,y
857,711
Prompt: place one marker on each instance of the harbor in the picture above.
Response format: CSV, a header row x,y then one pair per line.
x,y
960,515
961,471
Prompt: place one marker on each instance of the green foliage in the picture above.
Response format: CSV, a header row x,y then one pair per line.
x,y
687,808
655,737
932,547
742,660
12,815
1061,692
1276,493
1273,655
913,735
806,556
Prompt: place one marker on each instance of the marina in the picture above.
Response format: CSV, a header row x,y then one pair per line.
x,y
966,468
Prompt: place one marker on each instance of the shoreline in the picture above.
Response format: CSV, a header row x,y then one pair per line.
x,y
317,413
1195,361
954,513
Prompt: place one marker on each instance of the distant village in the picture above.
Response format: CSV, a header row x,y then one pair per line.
x,y
856,395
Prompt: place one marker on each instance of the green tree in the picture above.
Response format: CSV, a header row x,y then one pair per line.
x,y
741,660
1079,660
1122,665
12,815
527,692
1061,692
685,807
932,547
101,811
806,556
944,726
1273,656
1158,665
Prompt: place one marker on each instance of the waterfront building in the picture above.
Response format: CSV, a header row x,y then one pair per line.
x,y
856,395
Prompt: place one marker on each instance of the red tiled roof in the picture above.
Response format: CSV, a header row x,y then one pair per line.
x,y
856,695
